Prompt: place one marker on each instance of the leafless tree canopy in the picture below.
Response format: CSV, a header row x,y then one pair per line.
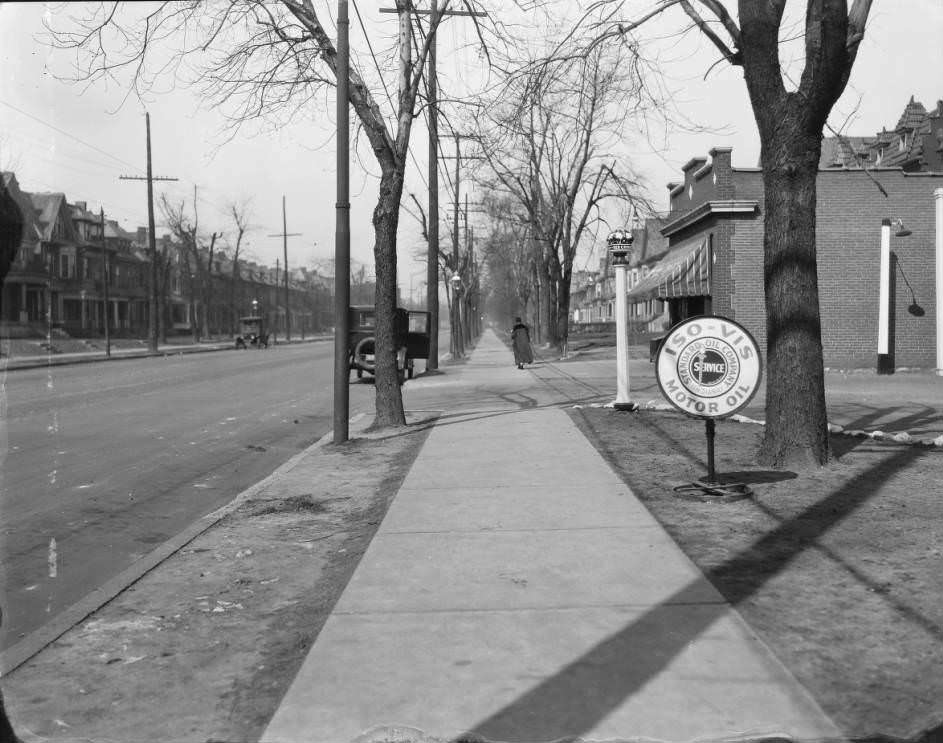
x,y
552,141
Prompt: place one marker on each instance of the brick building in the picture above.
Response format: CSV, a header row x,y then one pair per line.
x,y
714,229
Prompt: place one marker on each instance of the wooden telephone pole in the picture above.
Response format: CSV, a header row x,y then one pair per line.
x,y
151,238
285,234
106,268
342,231
432,258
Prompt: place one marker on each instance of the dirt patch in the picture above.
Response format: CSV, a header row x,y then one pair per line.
x,y
836,568
204,646
293,503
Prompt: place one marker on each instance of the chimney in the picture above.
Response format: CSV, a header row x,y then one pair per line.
x,y
723,172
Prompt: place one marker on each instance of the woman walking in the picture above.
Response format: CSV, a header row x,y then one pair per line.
x,y
520,342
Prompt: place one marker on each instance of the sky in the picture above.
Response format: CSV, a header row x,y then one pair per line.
x,y
58,137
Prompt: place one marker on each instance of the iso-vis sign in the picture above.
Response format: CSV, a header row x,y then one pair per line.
x,y
708,367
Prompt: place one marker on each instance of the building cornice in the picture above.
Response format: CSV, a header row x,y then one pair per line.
x,y
731,206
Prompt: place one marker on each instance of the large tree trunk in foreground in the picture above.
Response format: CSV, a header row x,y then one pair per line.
x,y
796,429
790,124
389,401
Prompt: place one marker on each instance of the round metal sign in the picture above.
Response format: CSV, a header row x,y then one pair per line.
x,y
709,367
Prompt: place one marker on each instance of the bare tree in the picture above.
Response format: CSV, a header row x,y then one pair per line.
x,y
271,60
508,257
198,260
551,146
240,218
790,124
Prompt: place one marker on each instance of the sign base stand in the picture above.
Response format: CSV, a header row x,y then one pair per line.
x,y
710,488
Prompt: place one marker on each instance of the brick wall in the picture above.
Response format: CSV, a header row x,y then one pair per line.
x,y
850,208
848,237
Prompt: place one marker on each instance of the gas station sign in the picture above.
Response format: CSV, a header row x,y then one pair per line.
x,y
708,367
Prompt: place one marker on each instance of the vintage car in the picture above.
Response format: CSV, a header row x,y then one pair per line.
x,y
252,332
411,328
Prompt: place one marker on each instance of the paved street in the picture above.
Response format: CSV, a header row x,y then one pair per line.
x,y
107,460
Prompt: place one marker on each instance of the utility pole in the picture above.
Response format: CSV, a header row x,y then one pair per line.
x,y
107,270
285,234
458,340
458,344
342,231
432,259
151,238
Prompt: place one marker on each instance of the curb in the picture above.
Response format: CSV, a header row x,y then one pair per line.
x,y
35,362
20,652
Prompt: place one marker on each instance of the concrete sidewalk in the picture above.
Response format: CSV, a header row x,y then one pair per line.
x,y
518,590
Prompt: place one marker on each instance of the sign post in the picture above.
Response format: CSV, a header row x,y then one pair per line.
x,y
709,368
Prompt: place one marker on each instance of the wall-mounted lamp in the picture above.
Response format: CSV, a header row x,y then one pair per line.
x,y
901,230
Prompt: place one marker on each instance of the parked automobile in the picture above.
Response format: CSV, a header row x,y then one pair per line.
x,y
252,332
411,331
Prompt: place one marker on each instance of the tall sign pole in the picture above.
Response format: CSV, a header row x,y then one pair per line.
x,y
151,239
342,231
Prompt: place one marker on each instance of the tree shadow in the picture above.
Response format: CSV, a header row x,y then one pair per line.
x,y
755,477
585,691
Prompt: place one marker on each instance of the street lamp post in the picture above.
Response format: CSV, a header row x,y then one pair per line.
x,y
619,243
885,360
458,342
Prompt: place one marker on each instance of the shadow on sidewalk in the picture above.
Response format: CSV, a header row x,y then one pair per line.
x,y
590,688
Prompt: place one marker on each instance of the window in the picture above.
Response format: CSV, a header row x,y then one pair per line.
x,y
65,267
609,310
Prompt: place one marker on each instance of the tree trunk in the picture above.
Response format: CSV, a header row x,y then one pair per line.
x,y
796,429
389,401
790,126
563,313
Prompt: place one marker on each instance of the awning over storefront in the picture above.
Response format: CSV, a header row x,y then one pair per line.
x,y
683,272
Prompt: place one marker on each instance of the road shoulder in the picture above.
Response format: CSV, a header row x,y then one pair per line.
x,y
204,646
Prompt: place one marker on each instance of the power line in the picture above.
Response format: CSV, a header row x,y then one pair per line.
x,y
385,88
67,134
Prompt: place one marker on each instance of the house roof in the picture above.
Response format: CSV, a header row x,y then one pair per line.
x,y
49,208
31,229
913,116
843,152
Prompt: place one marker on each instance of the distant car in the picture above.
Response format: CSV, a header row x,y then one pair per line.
x,y
252,332
411,330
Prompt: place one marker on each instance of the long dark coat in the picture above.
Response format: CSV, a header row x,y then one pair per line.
x,y
520,340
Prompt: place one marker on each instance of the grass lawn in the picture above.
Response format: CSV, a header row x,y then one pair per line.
x,y
838,569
